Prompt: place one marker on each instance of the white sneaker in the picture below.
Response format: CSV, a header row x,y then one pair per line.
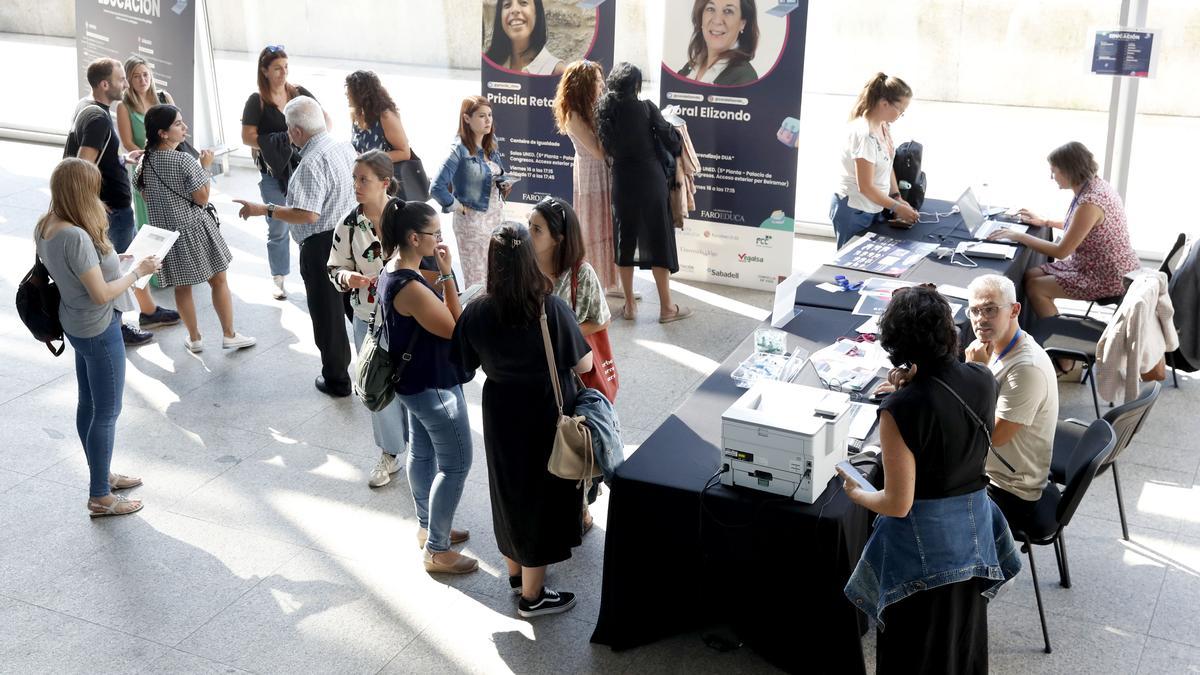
x,y
280,293
238,341
382,473
193,346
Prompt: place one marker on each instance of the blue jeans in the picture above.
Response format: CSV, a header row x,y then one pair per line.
x,y
390,424
100,371
121,228
849,221
279,249
438,460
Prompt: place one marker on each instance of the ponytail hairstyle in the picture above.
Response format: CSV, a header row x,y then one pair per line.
x,y
879,88
514,281
159,119
564,228
400,219
381,165
75,198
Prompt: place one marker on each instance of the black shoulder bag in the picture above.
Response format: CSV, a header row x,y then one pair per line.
x,y
978,421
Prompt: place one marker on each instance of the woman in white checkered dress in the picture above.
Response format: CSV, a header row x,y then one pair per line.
x,y
176,188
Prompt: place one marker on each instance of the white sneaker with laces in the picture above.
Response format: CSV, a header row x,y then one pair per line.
x,y
193,346
238,341
280,293
382,473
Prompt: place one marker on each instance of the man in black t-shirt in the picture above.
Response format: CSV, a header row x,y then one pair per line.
x,y
93,138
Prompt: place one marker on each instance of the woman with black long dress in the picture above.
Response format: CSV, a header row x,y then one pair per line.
x,y
929,592
643,233
536,516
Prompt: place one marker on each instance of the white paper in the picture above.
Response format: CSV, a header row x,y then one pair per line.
x,y
784,307
829,288
869,327
150,241
953,291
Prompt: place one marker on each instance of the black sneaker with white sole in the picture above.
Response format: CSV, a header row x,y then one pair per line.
x,y
550,602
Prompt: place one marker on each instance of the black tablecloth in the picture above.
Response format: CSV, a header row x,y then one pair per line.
x,y
931,269
676,560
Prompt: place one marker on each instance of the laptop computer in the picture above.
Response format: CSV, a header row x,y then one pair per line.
x,y
977,223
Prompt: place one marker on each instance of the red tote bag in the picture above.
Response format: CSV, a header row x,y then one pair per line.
x,y
603,375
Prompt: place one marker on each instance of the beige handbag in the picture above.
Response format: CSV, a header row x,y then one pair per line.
x,y
572,456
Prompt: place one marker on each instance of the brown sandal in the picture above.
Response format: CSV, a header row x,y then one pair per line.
x,y
117,481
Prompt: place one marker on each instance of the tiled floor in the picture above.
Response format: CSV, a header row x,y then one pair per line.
x,y
261,548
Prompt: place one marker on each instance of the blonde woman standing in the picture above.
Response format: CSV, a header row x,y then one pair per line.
x,y
131,120
72,242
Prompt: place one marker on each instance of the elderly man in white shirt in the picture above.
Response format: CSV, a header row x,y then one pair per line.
x,y
320,194
1027,408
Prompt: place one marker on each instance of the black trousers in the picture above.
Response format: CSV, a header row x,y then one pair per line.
x,y
1018,512
325,309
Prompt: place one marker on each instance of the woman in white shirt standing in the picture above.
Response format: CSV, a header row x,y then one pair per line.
x,y
868,183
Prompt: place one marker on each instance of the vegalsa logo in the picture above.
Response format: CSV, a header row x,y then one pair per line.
x,y
722,274
742,257
722,216
763,241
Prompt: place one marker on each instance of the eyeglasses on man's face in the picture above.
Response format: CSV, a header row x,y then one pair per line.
x,y
985,311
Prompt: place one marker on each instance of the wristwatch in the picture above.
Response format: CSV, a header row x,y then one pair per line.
x,y
270,210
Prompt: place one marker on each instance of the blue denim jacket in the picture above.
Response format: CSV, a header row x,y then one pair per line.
x,y
468,176
940,542
601,419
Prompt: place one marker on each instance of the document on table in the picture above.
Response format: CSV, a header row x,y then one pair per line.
x,y
149,241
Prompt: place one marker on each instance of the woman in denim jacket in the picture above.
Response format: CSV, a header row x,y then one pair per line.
x,y
468,185
941,548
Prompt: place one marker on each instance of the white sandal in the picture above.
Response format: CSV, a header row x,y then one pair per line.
x,y
118,481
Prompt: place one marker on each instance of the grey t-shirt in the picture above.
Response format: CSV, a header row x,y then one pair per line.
x,y
1029,397
68,254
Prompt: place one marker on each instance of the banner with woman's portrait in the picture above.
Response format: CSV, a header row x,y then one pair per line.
x,y
525,48
733,71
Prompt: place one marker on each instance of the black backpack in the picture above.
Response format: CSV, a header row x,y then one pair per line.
x,y
909,176
37,304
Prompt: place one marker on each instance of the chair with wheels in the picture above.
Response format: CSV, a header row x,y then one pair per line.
x,y
1055,508
1126,420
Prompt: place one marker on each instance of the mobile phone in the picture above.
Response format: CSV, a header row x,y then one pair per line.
x,y
856,475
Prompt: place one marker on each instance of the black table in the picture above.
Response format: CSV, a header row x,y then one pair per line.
x,y
677,558
931,269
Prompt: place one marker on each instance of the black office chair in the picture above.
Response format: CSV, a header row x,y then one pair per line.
x,y
1074,338
1126,420
1055,509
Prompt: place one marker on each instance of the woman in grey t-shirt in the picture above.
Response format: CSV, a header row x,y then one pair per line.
x,y
72,241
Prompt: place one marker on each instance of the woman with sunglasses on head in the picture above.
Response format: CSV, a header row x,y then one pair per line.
x,y
868,183
419,318
535,515
177,192
558,245
262,117
575,115
131,119
934,431
469,186
355,261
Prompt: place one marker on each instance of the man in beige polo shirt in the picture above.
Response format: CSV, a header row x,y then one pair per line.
x,y
1027,409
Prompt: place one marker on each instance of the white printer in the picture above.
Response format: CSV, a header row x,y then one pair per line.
x,y
785,438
